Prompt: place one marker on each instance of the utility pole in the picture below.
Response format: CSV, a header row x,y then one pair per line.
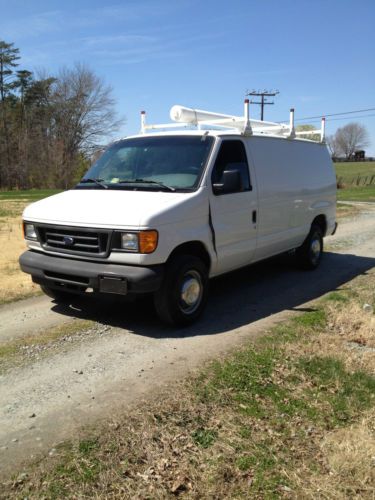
x,y
263,95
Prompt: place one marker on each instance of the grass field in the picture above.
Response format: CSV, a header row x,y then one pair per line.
x,y
27,196
351,170
360,193
346,172
291,415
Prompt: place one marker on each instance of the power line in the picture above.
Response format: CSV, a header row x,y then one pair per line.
x,y
332,114
337,114
344,118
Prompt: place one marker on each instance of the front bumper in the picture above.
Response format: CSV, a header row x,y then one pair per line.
x,y
78,275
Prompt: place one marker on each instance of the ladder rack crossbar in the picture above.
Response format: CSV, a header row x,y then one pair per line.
x,y
308,132
156,126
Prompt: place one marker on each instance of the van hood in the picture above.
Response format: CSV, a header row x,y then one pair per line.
x,y
112,208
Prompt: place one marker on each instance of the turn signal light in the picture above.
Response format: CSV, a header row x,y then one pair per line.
x,y
148,241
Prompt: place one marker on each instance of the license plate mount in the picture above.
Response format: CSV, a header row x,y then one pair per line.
x,y
113,284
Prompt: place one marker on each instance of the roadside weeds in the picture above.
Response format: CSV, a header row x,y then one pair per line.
x,y
291,415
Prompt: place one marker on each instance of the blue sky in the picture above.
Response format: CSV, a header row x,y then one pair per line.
x,y
206,54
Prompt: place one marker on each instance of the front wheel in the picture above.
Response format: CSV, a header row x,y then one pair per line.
x,y
310,253
183,294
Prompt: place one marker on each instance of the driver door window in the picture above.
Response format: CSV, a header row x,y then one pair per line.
x,y
232,156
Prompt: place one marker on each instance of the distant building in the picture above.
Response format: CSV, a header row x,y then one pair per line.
x,y
359,155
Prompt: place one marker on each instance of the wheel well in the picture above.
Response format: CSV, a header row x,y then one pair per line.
x,y
321,221
195,248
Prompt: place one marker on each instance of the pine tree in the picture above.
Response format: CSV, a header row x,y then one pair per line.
x,y
8,57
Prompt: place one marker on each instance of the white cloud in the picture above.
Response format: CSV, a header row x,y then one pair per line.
x,y
38,24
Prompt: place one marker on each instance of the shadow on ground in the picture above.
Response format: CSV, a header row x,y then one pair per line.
x,y
236,299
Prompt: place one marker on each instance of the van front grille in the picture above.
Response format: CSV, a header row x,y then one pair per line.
x,y
80,241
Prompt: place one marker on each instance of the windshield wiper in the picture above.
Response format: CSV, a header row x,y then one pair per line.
x,y
99,182
145,181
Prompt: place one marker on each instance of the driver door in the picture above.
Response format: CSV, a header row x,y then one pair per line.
x,y
233,214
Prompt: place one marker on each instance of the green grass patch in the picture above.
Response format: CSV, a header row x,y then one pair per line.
x,y
78,465
249,385
351,170
87,446
360,193
27,195
337,297
314,318
204,437
348,173
345,393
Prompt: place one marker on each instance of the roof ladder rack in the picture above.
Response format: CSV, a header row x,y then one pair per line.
x,y
184,117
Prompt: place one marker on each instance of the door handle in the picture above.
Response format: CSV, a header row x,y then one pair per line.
x,y
254,216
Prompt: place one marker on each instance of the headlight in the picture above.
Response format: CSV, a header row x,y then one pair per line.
x,y
129,241
29,232
140,242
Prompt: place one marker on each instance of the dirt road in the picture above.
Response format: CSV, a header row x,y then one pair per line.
x,y
127,354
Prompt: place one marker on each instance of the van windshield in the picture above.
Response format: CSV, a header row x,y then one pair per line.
x,y
173,163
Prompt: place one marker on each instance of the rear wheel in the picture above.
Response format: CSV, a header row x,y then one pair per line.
x,y
183,294
57,295
310,253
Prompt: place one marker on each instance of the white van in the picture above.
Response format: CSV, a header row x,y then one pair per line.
x,y
162,212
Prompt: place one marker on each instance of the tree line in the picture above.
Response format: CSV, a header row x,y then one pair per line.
x,y
50,124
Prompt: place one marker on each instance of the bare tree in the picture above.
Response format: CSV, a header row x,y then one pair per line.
x,y
333,146
350,138
84,113
84,107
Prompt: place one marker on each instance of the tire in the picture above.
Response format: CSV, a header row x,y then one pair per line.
x,y
310,253
57,295
184,291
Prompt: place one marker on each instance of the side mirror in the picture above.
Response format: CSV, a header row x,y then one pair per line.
x,y
230,183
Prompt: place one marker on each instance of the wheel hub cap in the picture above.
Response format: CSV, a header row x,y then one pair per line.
x,y
315,249
191,292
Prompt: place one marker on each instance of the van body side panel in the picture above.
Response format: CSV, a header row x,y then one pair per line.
x,y
296,182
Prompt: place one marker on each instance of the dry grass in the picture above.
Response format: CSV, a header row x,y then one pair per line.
x,y
350,457
347,211
349,334
291,416
349,464
14,283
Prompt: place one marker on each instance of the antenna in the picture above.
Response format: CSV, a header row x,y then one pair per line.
x,y
263,95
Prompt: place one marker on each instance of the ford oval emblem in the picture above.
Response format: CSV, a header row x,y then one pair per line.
x,y
68,241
